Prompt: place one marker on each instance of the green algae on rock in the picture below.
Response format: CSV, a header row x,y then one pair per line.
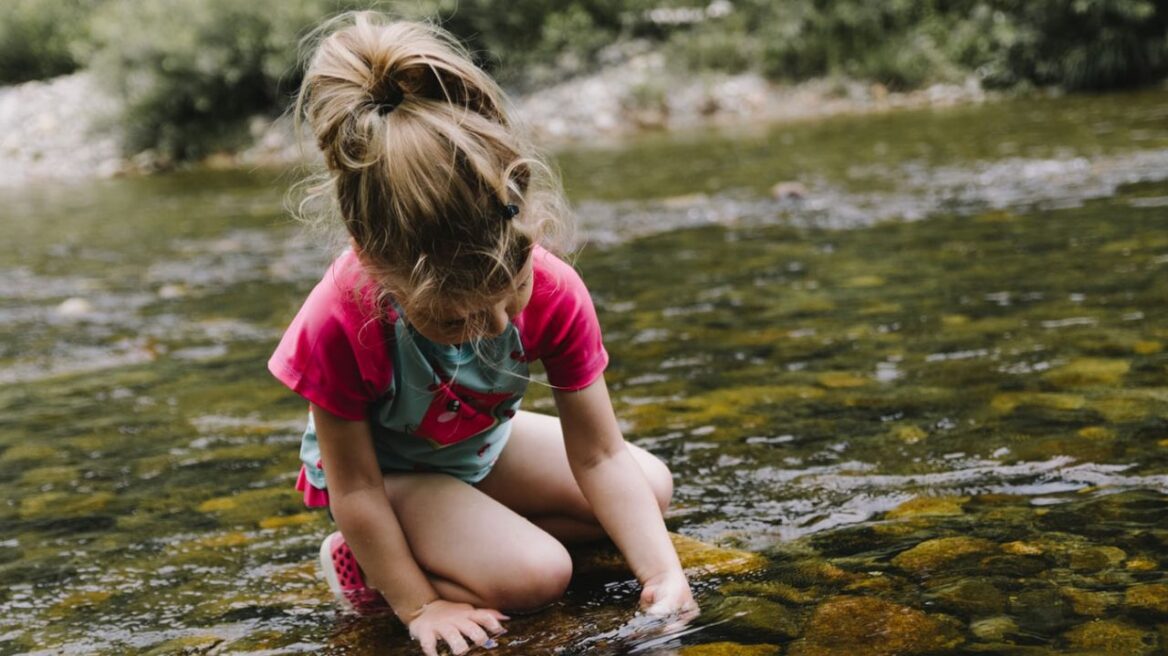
x,y
1113,638
845,626
932,555
729,649
760,617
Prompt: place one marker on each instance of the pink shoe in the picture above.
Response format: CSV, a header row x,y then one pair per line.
x,y
345,580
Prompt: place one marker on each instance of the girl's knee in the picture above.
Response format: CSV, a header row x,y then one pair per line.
x,y
540,578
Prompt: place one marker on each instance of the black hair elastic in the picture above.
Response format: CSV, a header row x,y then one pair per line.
x,y
392,97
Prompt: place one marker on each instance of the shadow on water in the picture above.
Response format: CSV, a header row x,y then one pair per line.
x,y
945,435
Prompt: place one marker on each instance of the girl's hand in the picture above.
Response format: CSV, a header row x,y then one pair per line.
x,y
668,596
451,621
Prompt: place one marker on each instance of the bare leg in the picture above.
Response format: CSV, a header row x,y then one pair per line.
x,y
533,479
479,551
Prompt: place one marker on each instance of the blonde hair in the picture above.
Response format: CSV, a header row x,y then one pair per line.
x,y
422,160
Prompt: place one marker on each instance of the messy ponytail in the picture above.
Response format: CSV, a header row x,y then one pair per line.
x,y
441,195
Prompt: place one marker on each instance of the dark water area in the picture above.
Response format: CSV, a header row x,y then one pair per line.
x,y
929,398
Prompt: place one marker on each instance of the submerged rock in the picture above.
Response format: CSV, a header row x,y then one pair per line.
x,y
929,506
932,555
1088,372
697,557
1150,597
994,629
847,626
1113,638
1091,603
729,649
970,598
759,616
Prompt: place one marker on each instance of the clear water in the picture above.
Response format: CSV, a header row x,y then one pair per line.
x,y
967,308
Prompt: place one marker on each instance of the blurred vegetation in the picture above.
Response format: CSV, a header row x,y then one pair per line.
x,y
192,71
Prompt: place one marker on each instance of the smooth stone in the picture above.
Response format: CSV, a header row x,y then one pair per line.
x,y
1096,558
729,649
934,554
74,308
970,598
1091,603
1113,638
994,629
1043,610
1149,597
759,616
1021,548
1088,372
1142,564
1008,401
847,626
929,507
773,590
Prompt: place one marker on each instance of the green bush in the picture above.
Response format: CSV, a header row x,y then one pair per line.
x,y
36,37
191,70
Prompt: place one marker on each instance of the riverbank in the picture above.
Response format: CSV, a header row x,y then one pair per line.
x,y
66,129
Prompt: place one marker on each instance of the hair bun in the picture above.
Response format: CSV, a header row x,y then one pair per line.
x,y
387,95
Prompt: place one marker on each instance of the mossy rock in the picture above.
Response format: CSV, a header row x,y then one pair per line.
x,y
772,590
79,600
1129,405
841,380
929,507
729,649
1151,598
846,626
1042,609
994,629
1088,372
1113,638
1091,603
1006,403
755,616
697,558
932,555
64,504
1095,559
970,598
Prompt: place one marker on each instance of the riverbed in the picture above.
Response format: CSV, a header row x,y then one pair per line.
x,y
925,386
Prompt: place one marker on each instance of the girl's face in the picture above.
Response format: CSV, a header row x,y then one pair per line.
x,y
460,324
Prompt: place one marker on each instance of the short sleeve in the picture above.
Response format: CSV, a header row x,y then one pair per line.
x,y
334,353
559,325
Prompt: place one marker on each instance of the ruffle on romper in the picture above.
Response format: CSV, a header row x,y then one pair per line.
x,y
314,497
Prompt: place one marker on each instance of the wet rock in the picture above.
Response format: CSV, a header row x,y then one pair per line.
x,y
774,590
280,521
932,555
1088,372
74,308
1021,548
1007,402
29,451
994,629
79,600
1142,564
841,380
1091,603
1150,598
789,190
697,557
909,434
187,646
969,598
929,507
1012,566
1096,433
1113,638
1043,610
64,504
846,626
729,649
758,617
1147,347
1096,558
1126,405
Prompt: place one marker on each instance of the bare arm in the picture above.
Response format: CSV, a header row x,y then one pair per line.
x,y
366,519
363,513
620,496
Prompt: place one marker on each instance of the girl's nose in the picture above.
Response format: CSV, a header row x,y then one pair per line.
x,y
497,320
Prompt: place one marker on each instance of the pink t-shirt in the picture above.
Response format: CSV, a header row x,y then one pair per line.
x,y
334,354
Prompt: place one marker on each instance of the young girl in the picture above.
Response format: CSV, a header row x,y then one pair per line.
x,y
413,353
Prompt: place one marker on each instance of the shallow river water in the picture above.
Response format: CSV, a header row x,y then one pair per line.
x,y
930,396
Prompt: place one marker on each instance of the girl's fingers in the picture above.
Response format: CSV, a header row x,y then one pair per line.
x,y
454,640
489,620
475,632
429,644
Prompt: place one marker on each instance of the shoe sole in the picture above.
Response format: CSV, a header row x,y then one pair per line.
x,y
330,576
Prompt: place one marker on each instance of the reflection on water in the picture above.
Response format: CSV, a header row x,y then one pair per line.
x,y
954,428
